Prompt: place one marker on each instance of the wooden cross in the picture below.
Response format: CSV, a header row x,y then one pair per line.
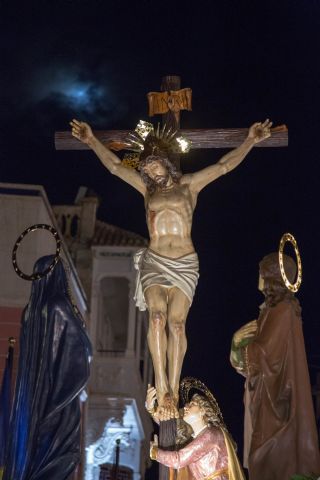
x,y
200,138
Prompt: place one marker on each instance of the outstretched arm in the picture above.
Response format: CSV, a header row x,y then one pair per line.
x,y
83,132
257,133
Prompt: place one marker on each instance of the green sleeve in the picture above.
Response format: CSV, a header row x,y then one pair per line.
x,y
237,355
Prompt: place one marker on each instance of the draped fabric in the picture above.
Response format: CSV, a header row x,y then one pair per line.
x,y
44,440
155,269
281,438
210,455
5,406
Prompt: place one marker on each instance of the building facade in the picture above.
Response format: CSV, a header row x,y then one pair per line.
x,y
100,259
121,367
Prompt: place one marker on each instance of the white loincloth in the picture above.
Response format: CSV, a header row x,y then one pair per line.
x,y
154,269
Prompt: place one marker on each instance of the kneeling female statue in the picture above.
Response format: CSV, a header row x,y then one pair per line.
x,y
209,452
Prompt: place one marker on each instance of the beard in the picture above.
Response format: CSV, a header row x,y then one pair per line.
x,y
158,181
161,180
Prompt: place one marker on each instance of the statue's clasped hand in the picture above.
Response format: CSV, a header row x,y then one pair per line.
x,y
154,447
151,399
167,413
161,413
248,331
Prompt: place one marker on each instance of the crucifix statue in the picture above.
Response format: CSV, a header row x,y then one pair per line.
x,y
168,268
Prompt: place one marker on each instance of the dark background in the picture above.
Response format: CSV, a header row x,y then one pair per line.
x,y
245,61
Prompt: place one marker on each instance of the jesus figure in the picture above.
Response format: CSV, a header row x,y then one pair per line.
x,y
168,268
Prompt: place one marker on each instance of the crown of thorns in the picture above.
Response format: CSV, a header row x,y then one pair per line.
x,y
147,141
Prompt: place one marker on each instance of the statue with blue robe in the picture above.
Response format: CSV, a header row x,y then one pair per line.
x,y
55,350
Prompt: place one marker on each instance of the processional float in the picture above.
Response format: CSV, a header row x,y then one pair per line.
x,y
167,271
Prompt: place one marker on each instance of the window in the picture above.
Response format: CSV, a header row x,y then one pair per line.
x,y
113,315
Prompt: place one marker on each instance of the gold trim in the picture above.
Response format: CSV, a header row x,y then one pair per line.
x,y
135,142
33,228
235,471
293,287
217,473
153,452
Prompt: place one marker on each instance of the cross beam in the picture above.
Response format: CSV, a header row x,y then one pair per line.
x,y
200,138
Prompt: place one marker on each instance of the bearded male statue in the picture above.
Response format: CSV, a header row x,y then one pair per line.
x,y
168,269
280,435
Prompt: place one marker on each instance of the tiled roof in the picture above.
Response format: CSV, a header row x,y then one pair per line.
x,y
106,234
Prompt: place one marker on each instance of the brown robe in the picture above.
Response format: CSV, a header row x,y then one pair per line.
x,y
282,438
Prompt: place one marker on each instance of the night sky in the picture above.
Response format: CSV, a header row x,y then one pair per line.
x,y
245,61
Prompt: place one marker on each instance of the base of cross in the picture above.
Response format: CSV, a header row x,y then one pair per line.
x,y
197,444
167,441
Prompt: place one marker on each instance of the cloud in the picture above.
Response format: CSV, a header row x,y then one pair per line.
x,y
73,91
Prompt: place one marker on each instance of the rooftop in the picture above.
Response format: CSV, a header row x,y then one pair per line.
x,y
106,234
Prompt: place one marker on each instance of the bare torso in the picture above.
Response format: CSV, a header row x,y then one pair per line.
x,y
169,212
169,219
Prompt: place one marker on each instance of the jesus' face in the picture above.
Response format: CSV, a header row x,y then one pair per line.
x,y
157,172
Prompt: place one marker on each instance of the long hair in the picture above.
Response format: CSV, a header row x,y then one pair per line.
x,y
184,433
274,288
163,159
210,416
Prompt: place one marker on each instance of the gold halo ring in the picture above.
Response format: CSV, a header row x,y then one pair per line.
x,y
37,275
293,287
189,383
